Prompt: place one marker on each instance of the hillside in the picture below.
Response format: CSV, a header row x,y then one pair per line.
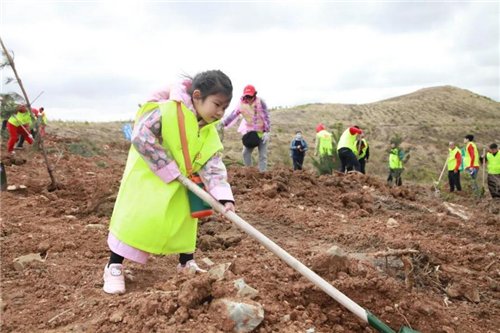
x,y
452,287
427,120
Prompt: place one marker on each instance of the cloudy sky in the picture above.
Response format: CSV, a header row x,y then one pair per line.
x,y
97,60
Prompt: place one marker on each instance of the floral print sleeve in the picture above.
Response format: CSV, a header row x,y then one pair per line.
x,y
147,139
214,176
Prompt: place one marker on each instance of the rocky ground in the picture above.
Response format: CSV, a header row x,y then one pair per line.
x,y
450,283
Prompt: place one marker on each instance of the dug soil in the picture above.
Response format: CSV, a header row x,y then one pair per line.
x,y
450,283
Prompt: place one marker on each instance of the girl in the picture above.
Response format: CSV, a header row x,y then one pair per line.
x,y
255,122
151,213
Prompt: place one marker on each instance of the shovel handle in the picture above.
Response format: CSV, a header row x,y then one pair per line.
x,y
442,171
278,251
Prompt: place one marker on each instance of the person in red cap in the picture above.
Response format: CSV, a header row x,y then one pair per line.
x,y
19,124
323,145
255,125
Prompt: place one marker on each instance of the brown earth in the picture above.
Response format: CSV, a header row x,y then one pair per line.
x,y
454,280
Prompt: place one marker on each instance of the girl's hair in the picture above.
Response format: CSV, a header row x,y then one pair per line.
x,y
211,83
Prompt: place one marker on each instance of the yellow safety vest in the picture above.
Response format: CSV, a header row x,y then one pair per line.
x,y
467,156
325,145
452,161
493,163
394,160
24,118
347,140
153,216
364,148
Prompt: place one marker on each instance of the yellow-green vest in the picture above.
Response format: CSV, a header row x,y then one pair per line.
x,y
347,140
153,216
493,163
364,148
467,156
24,118
325,145
394,160
452,161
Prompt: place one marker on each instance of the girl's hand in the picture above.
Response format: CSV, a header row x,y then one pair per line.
x,y
229,206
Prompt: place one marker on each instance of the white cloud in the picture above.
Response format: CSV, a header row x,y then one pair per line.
x,y
97,61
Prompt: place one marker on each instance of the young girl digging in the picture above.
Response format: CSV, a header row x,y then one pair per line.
x,y
152,211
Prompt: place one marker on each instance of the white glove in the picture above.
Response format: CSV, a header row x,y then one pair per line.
x,y
30,136
266,137
220,130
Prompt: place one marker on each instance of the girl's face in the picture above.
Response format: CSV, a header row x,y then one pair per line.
x,y
212,108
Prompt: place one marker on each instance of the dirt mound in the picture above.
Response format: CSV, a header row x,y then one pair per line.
x,y
454,269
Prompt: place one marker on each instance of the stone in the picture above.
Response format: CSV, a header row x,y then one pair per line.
x,y
270,191
219,270
454,291
208,261
392,223
238,315
70,217
116,317
331,262
21,262
95,226
207,242
472,294
11,188
44,246
244,290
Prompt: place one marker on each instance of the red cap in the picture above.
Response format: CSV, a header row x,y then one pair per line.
x,y
249,90
319,128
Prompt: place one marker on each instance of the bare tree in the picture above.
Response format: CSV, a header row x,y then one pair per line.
x,y
10,62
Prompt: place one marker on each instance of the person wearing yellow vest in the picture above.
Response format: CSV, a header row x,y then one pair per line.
x,y
364,155
152,213
396,157
492,160
323,142
255,125
20,142
347,149
471,160
454,162
19,124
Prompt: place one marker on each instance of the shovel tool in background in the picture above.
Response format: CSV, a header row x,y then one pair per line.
x,y
436,183
358,311
483,189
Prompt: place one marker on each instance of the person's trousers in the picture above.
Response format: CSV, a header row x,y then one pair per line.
x,y
247,156
297,162
21,139
348,160
494,185
395,174
362,165
14,132
454,180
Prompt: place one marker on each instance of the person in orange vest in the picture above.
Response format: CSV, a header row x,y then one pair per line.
x,y
454,162
471,160
492,160
152,212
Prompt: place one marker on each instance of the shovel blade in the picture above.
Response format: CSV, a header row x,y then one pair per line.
x,y
405,329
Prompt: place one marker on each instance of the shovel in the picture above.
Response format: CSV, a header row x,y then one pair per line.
x,y
483,190
436,183
361,313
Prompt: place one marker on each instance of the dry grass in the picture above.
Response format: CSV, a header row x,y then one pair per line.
x,y
427,120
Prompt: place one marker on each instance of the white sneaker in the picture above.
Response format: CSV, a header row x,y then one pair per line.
x,y
114,279
188,265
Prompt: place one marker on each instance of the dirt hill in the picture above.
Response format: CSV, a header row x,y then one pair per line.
x,y
450,284
427,120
